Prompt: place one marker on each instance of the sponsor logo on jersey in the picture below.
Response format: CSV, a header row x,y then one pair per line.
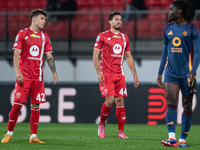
x,y
109,38
115,36
16,39
117,48
184,33
33,35
176,41
26,37
170,123
170,33
98,37
34,50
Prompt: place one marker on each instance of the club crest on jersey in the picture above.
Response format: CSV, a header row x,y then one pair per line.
x,y
115,36
33,35
16,39
34,50
184,33
117,48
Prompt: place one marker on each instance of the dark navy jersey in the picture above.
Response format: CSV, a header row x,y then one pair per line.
x,y
181,52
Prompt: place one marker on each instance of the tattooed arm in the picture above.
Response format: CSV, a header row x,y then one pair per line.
x,y
51,63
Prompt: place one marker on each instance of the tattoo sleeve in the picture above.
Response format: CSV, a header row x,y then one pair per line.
x,y
51,64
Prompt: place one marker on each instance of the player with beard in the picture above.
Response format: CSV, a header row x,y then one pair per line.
x,y
180,59
29,48
112,46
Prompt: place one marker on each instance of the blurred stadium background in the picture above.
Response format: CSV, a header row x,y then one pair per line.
x,y
72,41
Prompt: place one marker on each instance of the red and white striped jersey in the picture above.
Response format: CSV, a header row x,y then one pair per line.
x,y
113,47
33,46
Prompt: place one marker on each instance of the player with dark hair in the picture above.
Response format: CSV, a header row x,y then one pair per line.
x,y
113,46
180,58
29,48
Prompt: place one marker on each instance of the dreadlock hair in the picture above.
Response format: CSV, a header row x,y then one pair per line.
x,y
188,9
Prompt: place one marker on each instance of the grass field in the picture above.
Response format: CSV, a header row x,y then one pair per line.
x,y
84,137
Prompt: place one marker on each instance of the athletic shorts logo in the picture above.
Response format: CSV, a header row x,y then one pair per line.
x,y
18,95
34,50
96,44
15,44
117,48
106,91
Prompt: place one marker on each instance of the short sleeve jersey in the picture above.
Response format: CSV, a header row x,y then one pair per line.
x,y
33,46
180,41
113,47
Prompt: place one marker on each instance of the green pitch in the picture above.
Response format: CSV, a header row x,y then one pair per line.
x,y
84,137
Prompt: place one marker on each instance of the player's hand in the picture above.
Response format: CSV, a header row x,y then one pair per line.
x,y
55,78
136,81
159,81
190,79
19,77
100,78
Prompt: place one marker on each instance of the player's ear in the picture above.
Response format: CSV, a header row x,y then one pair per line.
x,y
179,11
110,22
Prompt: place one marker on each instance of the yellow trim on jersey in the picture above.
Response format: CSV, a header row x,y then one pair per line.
x,y
190,62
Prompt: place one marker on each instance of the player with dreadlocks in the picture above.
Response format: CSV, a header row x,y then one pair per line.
x,y
181,51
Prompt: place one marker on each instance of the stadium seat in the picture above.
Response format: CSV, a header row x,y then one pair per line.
x,y
74,27
82,16
35,4
119,8
83,29
2,17
106,3
154,2
81,3
106,26
155,16
24,17
157,29
196,22
94,30
12,17
13,4
128,29
13,29
166,2
3,4
93,3
24,4
94,16
106,15
24,24
61,29
143,27
44,3
118,3
50,29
